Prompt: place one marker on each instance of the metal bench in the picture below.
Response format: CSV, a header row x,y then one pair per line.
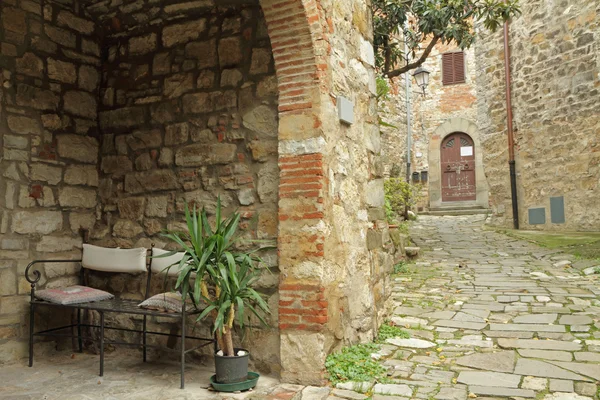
x,y
120,306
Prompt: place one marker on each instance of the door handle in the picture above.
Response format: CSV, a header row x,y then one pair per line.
x,y
466,166
448,167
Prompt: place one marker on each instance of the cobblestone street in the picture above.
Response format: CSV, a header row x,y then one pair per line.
x,y
491,316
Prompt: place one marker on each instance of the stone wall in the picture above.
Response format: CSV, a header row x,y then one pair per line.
x,y
189,113
332,236
555,64
440,104
49,65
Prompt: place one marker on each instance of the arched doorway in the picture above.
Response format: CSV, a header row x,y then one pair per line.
x,y
457,156
473,191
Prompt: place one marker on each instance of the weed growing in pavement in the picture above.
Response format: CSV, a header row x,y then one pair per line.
x,y
355,364
401,268
388,330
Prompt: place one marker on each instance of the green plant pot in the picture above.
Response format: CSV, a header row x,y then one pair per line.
x,y
232,369
249,383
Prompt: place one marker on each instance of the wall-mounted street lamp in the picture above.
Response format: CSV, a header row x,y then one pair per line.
x,y
421,76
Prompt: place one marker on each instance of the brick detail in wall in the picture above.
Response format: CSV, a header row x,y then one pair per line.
x,y
301,176
301,186
302,306
289,23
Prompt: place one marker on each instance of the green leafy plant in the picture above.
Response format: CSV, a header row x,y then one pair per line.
x,y
387,331
401,268
401,195
421,24
211,261
355,364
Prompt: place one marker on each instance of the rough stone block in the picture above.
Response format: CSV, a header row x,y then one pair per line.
x,y
230,51
176,134
61,71
30,65
74,22
132,208
80,103
161,64
204,52
54,244
23,125
183,32
36,98
15,142
61,36
196,155
88,78
144,139
142,44
262,120
268,183
156,206
45,173
79,148
78,220
71,196
126,229
178,84
125,117
117,165
42,222
13,20
197,103
81,175
261,61
151,181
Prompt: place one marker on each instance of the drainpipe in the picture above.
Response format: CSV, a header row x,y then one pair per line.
x,y
408,117
511,139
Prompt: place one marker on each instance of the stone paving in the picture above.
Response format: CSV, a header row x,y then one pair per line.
x,y
489,317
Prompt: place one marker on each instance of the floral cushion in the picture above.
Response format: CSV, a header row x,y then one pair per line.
x,y
169,302
73,295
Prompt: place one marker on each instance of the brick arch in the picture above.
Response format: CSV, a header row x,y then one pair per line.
x,y
449,127
299,46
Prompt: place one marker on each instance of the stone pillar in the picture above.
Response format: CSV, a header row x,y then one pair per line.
x,y
332,284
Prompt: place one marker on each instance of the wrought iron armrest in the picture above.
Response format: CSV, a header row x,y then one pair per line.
x,y
33,276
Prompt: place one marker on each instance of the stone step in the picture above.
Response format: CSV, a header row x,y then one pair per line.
x,y
456,211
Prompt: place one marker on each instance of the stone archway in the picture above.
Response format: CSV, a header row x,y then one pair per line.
x,y
435,180
295,34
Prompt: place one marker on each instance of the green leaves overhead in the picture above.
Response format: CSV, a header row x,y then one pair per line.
x,y
421,24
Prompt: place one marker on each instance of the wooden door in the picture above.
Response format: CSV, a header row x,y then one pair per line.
x,y
458,168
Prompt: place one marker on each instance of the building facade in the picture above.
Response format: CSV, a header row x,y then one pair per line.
x,y
554,72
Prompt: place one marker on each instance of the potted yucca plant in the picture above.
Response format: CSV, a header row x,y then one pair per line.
x,y
214,273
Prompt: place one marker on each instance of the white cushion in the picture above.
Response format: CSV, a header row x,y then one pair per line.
x,y
98,258
158,264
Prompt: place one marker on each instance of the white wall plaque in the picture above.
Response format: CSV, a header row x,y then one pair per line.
x,y
466,151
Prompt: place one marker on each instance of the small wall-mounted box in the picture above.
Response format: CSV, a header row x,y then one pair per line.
x,y
345,110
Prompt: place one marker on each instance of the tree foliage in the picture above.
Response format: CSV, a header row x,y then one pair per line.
x,y
424,23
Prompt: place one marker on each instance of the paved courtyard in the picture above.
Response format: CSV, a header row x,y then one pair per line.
x,y
490,317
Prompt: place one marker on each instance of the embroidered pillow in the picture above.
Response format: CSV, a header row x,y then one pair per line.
x,y
73,295
169,302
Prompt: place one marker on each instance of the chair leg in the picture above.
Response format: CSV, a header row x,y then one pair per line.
x,y
31,331
101,343
144,338
80,339
183,349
